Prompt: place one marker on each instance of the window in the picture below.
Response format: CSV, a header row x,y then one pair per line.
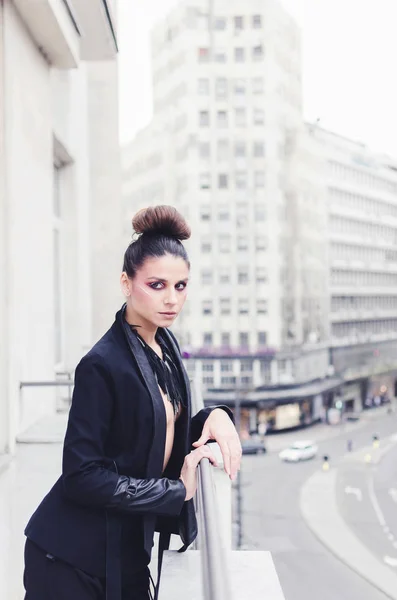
x,y
243,276
259,116
204,118
208,380
223,149
243,339
221,87
220,23
246,366
261,275
207,339
239,22
221,120
259,179
257,85
260,243
224,244
246,380
261,307
239,54
203,55
220,55
242,220
242,243
225,339
226,366
259,149
241,180
206,246
241,117
257,52
224,276
207,307
224,215
203,87
228,381
239,149
204,149
262,338
239,87
257,21
222,181
205,213
225,306
204,181
206,277
243,306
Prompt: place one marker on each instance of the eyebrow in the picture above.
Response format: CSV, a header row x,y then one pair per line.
x,y
166,281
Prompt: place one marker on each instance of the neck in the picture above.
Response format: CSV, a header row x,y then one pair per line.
x,y
146,330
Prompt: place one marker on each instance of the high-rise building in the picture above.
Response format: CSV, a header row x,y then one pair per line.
x,y
226,147
362,230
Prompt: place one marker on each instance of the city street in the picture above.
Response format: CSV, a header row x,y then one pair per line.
x,y
272,519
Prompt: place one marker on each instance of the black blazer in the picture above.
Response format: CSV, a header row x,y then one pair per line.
x,y
113,459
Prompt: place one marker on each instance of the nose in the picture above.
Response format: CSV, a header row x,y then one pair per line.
x,y
171,297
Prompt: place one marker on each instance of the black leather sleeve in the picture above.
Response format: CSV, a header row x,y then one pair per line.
x,y
197,422
159,496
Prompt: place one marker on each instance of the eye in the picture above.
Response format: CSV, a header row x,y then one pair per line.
x,y
181,286
157,285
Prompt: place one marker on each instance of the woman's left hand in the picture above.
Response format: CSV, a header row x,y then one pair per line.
x,y
219,427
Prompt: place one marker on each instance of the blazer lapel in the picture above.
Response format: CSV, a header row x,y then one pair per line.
x,y
156,456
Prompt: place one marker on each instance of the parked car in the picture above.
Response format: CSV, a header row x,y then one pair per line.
x,y
303,450
253,445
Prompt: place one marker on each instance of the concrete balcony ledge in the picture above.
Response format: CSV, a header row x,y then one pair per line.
x,y
252,575
98,41
52,27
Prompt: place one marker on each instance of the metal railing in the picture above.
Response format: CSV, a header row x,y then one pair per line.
x,y
215,572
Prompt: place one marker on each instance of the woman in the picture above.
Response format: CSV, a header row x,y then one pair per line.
x,y
127,467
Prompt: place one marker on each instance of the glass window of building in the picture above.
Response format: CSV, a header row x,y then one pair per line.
x,y
226,366
221,87
220,23
239,55
262,338
241,180
260,243
208,380
239,22
257,52
225,306
203,55
259,149
207,307
259,116
261,275
204,118
203,86
261,306
224,275
240,87
246,380
207,339
224,215
243,276
204,149
243,306
225,339
257,21
228,381
240,117
208,366
242,220
244,339
205,213
259,179
206,246
204,181
239,149
242,243
223,149
221,118
246,365
257,85
223,181
220,55
206,276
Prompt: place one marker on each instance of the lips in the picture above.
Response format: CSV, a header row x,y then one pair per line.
x,y
168,314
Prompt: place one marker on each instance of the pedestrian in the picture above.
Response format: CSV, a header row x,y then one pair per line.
x,y
349,445
128,466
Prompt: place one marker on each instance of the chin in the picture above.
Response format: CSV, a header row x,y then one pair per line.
x,y
164,321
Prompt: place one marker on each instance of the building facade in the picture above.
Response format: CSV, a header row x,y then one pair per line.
x,y
56,222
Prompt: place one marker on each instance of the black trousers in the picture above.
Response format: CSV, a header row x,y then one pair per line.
x,y
47,578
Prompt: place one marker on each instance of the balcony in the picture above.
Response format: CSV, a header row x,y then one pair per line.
x,y
98,40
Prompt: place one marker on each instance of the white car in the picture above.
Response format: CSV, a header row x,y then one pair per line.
x,y
299,451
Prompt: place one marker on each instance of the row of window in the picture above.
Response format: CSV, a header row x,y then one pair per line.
x,y
240,149
224,275
242,244
238,22
363,229
240,117
242,218
361,203
362,278
353,303
362,253
223,86
225,306
348,173
243,339
364,328
224,180
221,55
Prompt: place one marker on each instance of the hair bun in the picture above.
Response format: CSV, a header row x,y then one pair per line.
x,y
161,220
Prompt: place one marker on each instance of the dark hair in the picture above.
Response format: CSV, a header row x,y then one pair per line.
x,y
162,228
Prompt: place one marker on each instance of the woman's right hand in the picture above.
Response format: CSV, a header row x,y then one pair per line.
x,y
189,469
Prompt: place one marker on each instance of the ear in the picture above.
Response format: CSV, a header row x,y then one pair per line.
x,y
125,284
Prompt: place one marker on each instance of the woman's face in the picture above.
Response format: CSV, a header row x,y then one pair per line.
x,y
158,291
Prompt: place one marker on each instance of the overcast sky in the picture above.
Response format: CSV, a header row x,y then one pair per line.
x,y
349,66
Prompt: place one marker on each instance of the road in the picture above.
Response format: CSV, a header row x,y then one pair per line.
x,y
272,521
